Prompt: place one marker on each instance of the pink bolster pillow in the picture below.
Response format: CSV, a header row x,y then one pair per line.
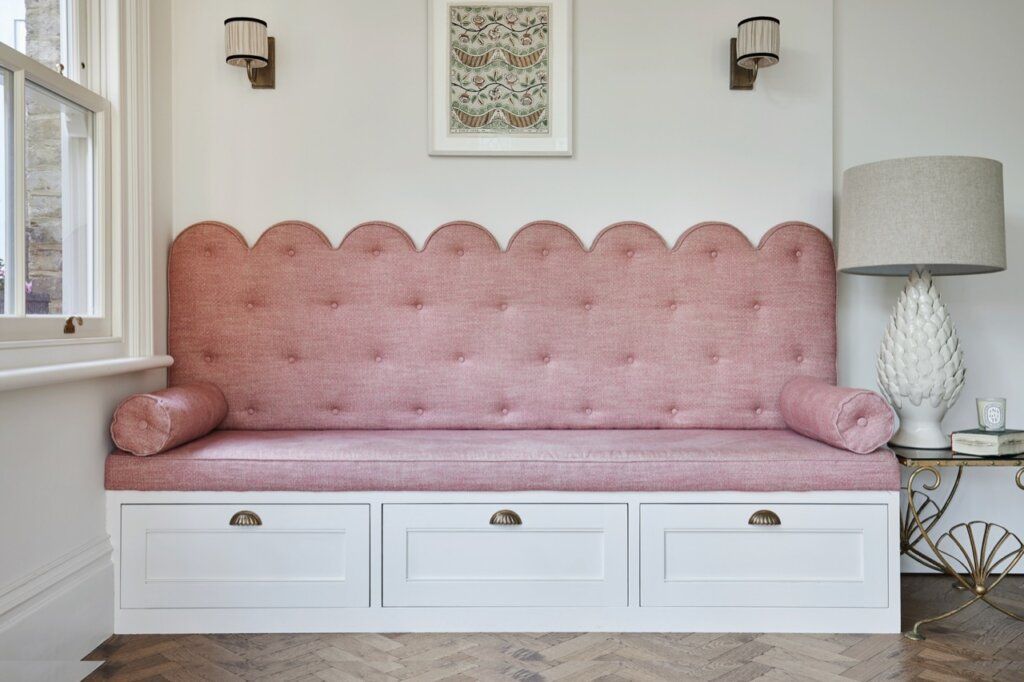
x,y
849,418
148,423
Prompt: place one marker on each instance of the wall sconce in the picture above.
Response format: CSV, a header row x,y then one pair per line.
x,y
756,45
246,44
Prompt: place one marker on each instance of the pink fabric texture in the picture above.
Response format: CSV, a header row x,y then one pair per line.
x,y
854,419
374,334
490,460
149,423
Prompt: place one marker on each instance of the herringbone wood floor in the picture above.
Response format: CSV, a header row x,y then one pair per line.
x,y
978,644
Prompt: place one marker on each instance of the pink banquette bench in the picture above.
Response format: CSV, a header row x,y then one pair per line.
x,y
376,366
377,438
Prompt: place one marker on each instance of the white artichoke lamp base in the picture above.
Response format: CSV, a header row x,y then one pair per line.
x,y
920,364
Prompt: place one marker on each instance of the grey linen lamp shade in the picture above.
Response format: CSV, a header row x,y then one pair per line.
x,y
943,213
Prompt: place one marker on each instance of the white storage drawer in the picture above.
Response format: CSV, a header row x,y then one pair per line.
x,y
819,555
452,555
190,555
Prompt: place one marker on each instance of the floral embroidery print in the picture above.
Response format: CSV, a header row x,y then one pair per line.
x,y
499,69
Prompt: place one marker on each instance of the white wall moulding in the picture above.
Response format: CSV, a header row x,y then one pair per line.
x,y
13,379
37,610
137,178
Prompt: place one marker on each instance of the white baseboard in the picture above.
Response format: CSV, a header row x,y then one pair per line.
x,y
62,610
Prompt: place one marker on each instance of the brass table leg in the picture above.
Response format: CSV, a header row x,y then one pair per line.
x,y
986,552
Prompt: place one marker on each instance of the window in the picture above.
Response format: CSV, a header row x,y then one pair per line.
x,y
55,240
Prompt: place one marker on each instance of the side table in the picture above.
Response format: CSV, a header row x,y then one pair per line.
x,y
976,554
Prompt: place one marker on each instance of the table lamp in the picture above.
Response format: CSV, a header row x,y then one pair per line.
x,y
922,217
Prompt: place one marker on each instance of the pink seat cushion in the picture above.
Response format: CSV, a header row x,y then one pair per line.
x,y
582,460
851,418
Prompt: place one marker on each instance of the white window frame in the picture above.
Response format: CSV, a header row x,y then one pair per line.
x,y
17,329
111,59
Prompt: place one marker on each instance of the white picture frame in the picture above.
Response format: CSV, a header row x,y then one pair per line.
x,y
555,138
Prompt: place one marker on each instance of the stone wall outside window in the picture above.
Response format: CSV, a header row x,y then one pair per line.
x,y
43,167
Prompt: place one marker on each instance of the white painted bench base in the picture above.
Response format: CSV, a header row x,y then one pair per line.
x,y
430,561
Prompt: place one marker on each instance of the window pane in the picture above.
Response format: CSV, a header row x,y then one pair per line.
x,y
36,28
60,258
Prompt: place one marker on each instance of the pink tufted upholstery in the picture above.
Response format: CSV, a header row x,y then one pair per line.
x,y
547,335
596,460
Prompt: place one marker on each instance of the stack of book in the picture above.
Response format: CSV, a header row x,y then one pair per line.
x,y
983,443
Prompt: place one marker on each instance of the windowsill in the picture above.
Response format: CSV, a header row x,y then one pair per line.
x,y
13,379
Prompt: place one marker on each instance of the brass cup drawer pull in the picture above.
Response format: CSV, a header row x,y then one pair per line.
x,y
764,517
506,517
246,518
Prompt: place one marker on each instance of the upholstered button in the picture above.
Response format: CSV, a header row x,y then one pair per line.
x,y
861,421
335,410
143,424
377,359
799,358
291,358
675,410
419,306
674,306
462,358
547,359
798,253
207,252
208,358
334,305
714,254
376,252
714,358
629,359
504,410
503,306
758,411
589,411
251,410
587,306
461,252
544,252
630,253
291,252
419,410
249,306
757,306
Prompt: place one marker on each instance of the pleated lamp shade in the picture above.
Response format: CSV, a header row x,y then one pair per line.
x,y
757,42
245,42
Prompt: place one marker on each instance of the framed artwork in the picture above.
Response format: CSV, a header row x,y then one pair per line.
x,y
500,77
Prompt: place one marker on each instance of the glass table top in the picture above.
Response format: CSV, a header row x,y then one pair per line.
x,y
948,458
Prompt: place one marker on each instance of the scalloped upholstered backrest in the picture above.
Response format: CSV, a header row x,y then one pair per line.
x,y
462,335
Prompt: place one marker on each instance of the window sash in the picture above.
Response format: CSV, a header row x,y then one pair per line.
x,y
17,329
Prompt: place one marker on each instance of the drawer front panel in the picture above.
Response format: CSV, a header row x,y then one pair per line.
x,y
710,555
188,555
450,555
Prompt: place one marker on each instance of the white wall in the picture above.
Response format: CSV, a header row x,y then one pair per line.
x,y
53,441
658,135
916,77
